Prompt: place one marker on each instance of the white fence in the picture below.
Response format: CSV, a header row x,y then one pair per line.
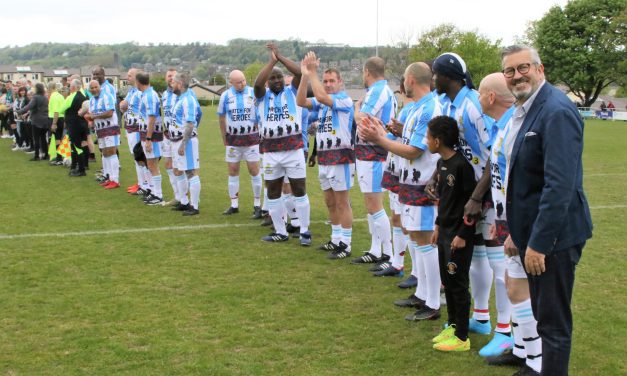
x,y
588,113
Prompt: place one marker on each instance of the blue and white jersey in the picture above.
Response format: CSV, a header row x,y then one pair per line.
x,y
238,108
99,105
109,89
475,129
415,173
150,106
499,160
392,162
334,135
379,102
186,110
168,99
280,121
132,118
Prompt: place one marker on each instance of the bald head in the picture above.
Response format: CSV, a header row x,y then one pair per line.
x,y
375,66
94,88
417,80
494,96
131,76
237,80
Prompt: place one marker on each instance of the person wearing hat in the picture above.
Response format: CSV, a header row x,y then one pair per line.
x,y
475,138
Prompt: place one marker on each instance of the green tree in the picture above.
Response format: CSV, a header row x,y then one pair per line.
x,y
480,53
252,71
201,72
217,79
583,45
158,83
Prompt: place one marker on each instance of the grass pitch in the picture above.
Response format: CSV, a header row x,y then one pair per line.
x,y
212,299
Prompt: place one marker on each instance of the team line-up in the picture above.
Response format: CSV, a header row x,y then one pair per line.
x,y
484,185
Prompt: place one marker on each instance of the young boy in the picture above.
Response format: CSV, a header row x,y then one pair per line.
x,y
453,234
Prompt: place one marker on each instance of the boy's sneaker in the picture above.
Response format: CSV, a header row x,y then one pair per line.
x,y
424,313
328,246
341,252
445,334
390,271
275,238
409,282
475,326
498,345
369,258
380,266
412,302
453,344
305,239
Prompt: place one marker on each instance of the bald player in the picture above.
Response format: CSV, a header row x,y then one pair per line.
x,y
240,136
498,102
130,107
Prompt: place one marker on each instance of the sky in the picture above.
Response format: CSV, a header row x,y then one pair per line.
x,y
352,22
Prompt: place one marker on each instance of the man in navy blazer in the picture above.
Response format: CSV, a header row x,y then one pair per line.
x,y
547,211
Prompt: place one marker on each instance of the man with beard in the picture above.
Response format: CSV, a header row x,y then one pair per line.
x,y
130,107
183,135
151,134
283,153
547,211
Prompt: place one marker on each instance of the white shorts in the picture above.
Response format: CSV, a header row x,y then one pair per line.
x,y
109,141
369,176
338,178
166,148
188,161
235,154
515,268
278,164
488,215
132,139
395,206
418,218
156,150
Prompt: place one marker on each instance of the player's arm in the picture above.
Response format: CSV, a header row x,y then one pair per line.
x,y
371,130
311,64
474,205
291,66
222,121
301,94
262,77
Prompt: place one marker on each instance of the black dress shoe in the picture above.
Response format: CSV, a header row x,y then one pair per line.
x,y
506,359
526,371
76,173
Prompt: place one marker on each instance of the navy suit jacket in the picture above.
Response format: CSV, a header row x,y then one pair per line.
x,y
547,208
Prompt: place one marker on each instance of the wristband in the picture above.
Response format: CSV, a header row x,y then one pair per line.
x,y
148,138
475,200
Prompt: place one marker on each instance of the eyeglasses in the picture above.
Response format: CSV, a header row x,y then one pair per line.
x,y
522,69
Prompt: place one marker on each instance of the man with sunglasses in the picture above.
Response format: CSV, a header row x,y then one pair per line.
x,y
547,211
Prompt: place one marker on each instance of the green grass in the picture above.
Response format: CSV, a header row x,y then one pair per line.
x,y
217,301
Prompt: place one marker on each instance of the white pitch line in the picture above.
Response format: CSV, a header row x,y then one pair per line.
x,y
180,228
606,174
136,230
